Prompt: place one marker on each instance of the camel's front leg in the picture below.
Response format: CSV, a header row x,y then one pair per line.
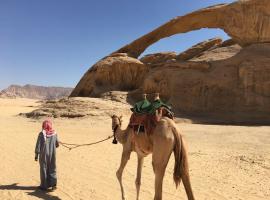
x,y
139,173
124,160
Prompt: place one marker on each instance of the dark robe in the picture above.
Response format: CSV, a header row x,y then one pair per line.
x,y
46,150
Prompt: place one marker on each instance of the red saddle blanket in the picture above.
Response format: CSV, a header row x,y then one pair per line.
x,y
148,121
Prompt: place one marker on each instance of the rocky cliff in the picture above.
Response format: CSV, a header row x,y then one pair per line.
x,y
35,92
227,80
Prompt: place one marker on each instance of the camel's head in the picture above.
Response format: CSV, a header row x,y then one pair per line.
x,y
116,122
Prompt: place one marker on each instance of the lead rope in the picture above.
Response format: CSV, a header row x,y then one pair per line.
x,y
73,146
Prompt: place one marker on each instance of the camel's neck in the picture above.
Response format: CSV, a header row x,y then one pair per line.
x,y
121,135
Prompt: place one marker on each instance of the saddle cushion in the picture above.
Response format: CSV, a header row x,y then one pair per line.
x,y
145,107
148,121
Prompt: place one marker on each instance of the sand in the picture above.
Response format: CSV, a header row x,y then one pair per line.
x,y
226,162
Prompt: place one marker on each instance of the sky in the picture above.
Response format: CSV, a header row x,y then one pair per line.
x,y
54,42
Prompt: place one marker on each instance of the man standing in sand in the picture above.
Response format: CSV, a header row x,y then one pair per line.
x,y
46,145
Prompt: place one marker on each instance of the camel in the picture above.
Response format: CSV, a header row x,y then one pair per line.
x,y
164,140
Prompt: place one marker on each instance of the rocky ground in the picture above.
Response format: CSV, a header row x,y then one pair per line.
x,y
79,107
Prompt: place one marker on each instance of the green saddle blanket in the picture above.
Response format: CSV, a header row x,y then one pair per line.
x,y
145,107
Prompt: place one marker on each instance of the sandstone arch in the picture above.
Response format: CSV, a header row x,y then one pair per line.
x,y
247,22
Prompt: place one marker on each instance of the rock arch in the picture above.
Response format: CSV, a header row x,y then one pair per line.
x,y
247,22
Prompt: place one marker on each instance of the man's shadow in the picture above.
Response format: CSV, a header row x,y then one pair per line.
x,y
33,191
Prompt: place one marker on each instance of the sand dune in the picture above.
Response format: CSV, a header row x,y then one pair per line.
x,y
226,162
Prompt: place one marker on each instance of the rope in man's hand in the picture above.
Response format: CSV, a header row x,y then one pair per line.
x,y
73,146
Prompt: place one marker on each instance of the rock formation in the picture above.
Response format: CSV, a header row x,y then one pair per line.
x,y
219,53
35,92
116,72
223,80
198,49
158,57
77,107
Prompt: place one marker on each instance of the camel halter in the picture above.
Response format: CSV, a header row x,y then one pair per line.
x,y
114,131
115,128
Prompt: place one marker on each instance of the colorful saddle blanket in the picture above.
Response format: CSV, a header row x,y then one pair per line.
x,y
146,115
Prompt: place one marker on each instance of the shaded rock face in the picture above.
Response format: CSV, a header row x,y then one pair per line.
x,y
225,80
238,84
35,92
227,43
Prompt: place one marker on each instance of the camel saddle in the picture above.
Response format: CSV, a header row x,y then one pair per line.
x,y
146,115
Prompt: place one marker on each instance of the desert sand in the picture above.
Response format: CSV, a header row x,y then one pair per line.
x,y
226,162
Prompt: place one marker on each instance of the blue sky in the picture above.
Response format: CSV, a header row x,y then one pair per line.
x,y
54,42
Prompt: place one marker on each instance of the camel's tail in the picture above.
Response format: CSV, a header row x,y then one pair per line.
x,y
181,170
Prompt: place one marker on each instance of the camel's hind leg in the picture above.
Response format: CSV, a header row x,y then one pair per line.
x,y
161,155
124,160
139,173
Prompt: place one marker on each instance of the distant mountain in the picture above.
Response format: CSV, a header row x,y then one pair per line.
x,y
35,92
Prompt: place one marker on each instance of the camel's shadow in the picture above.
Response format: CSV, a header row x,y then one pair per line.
x,y
33,191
